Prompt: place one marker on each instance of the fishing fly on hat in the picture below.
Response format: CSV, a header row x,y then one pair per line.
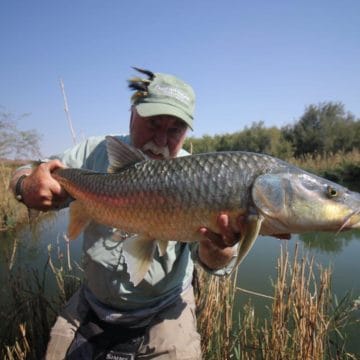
x,y
163,94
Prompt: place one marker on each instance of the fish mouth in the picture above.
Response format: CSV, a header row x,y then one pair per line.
x,y
154,156
347,222
156,152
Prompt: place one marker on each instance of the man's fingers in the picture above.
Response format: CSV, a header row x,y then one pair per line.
x,y
229,232
40,190
54,188
230,236
54,164
213,238
241,224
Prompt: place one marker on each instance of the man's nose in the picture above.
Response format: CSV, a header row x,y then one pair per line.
x,y
160,138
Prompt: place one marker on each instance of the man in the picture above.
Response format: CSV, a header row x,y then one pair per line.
x,y
108,317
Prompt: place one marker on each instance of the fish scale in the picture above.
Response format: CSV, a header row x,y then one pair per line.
x,y
173,198
198,186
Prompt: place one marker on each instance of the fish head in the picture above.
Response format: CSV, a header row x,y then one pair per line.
x,y
297,202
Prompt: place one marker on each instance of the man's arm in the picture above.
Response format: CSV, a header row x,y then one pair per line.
x,y
39,190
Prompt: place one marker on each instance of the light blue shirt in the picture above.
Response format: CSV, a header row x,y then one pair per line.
x,y
107,285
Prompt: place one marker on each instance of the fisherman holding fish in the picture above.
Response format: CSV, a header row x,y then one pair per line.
x,y
127,310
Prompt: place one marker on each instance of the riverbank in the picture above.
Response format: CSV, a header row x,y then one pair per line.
x,y
310,319
304,319
341,168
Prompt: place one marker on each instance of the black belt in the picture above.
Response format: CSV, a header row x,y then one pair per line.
x,y
105,340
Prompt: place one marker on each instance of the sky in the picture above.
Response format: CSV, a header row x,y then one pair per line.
x,y
247,61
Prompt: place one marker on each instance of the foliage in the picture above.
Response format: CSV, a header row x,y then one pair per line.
x,y
343,168
256,138
12,213
323,129
16,143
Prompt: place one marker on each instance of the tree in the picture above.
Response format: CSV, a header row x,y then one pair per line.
x,y
323,129
16,143
256,138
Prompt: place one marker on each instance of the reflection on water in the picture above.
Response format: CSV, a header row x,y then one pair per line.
x,y
329,243
27,251
339,252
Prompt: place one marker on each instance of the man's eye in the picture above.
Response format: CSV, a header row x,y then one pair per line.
x,y
174,130
177,130
152,125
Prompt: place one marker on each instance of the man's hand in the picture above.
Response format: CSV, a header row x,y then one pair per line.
x,y
40,190
216,250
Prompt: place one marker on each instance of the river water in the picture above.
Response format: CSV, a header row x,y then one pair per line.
x,y
256,273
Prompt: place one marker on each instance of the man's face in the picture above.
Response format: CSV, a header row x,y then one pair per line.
x,y
159,137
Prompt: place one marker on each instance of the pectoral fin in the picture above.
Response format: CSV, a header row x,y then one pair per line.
x,y
78,219
138,252
252,229
162,246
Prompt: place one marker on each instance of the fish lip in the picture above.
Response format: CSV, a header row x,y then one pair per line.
x,y
347,220
154,156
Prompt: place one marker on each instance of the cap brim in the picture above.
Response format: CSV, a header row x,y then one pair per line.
x,y
153,109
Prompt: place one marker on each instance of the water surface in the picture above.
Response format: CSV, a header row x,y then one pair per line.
x,y
256,273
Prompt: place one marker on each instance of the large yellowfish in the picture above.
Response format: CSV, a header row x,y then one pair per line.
x,y
171,199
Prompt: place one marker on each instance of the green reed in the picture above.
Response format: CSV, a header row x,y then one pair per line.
x,y
31,308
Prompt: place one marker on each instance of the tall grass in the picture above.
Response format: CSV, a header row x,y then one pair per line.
x,y
339,167
305,321
215,314
12,213
31,308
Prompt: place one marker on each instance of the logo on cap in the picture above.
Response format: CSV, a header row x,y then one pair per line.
x,y
173,93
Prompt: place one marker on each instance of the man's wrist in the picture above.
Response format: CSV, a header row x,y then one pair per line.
x,y
16,181
200,262
18,190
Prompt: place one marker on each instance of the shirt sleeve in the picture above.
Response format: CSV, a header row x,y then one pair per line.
x,y
78,155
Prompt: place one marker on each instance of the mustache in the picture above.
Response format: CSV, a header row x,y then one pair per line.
x,y
157,150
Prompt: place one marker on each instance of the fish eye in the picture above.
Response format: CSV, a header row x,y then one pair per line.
x,y
332,192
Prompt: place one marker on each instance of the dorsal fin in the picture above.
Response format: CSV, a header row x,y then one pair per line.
x,y
121,155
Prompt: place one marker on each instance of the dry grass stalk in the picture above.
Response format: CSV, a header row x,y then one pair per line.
x,y
27,312
215,314
31,309
21,349
65,274
302,323
300,320
321,163
12,213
